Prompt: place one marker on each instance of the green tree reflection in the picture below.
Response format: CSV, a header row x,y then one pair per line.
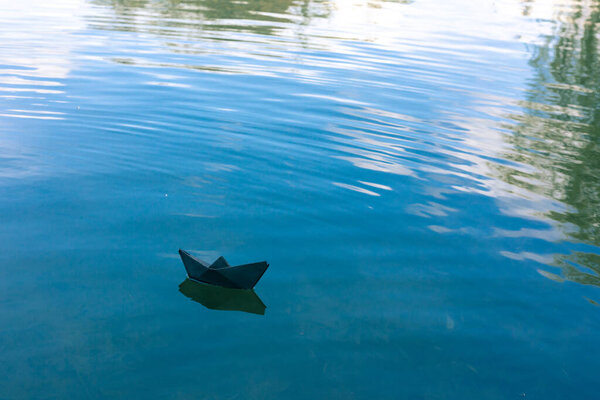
x,y
264,17
559,134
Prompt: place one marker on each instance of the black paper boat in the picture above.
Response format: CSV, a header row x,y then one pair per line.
x,y
220,298
220,273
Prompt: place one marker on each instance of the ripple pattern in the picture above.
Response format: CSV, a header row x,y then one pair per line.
x,y
421,175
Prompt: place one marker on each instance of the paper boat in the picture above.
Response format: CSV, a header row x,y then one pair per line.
x,y
220,273
220,298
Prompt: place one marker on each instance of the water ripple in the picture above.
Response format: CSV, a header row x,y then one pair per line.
x,y
450,147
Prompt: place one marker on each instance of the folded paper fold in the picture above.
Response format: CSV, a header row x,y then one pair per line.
x,y
220,273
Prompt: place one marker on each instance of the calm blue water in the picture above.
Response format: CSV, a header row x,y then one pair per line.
x,y
423,178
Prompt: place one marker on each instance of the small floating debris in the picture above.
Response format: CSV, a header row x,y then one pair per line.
x,y
220,273
220,298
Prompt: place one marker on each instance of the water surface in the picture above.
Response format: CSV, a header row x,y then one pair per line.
x,y
421,175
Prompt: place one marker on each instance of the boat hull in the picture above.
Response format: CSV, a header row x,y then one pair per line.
x,y
221,274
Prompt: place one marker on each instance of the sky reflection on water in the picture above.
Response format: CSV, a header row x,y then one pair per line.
x,y
383,140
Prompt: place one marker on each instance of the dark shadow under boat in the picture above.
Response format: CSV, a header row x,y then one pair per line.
x,y
220,298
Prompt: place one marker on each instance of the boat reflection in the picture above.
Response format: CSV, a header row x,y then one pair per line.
x,y
220,298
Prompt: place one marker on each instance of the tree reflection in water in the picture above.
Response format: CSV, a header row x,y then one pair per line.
x,y
261,17
559,135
